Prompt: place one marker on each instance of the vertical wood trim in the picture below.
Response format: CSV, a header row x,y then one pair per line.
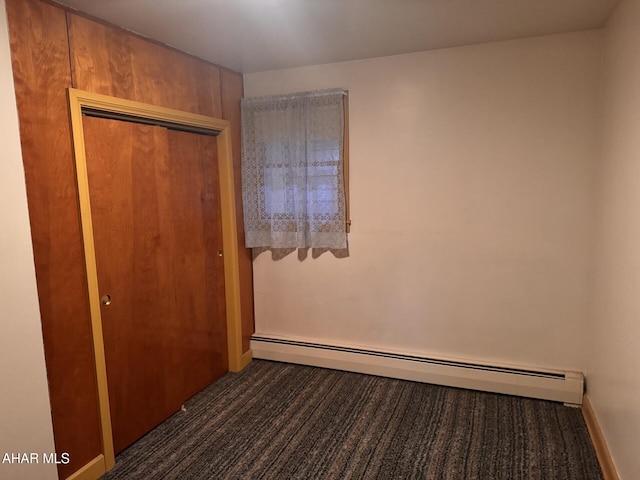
x,y
79,99
602,451
230,242
82,177
231,88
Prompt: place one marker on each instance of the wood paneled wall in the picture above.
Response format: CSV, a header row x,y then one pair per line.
x,y
53,49
113,62
40,57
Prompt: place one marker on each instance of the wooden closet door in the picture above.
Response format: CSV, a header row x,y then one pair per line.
x,y
155,208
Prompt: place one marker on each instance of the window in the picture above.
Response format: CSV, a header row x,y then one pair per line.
x,y
293,170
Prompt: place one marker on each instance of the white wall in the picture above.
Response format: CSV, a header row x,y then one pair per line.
x,y
613,382
25,416
471,172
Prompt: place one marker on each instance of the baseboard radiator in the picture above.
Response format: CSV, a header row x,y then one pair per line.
x,y
560,386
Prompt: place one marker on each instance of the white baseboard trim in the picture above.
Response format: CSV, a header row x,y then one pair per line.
x,y
560,386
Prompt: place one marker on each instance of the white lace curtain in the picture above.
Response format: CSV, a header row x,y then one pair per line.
x,y
292,170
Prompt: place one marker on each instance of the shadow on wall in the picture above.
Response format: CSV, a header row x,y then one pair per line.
x,y
303,253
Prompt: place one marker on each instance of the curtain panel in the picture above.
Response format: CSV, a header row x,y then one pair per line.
x,y
293,188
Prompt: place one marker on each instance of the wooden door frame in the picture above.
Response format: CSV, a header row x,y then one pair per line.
x,y
81,102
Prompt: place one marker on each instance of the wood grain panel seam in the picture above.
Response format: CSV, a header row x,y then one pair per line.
x,y
222,93
599,443
72,72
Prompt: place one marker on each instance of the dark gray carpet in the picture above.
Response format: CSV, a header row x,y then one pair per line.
x,y
281,421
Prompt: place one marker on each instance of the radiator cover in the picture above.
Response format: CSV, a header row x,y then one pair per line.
x,y
556,385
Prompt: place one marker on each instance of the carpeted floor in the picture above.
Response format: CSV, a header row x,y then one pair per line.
x,y
279,421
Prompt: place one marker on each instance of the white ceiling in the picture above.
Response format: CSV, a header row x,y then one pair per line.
x,y
256,35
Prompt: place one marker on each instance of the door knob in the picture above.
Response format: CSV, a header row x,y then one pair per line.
x,y
106,300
